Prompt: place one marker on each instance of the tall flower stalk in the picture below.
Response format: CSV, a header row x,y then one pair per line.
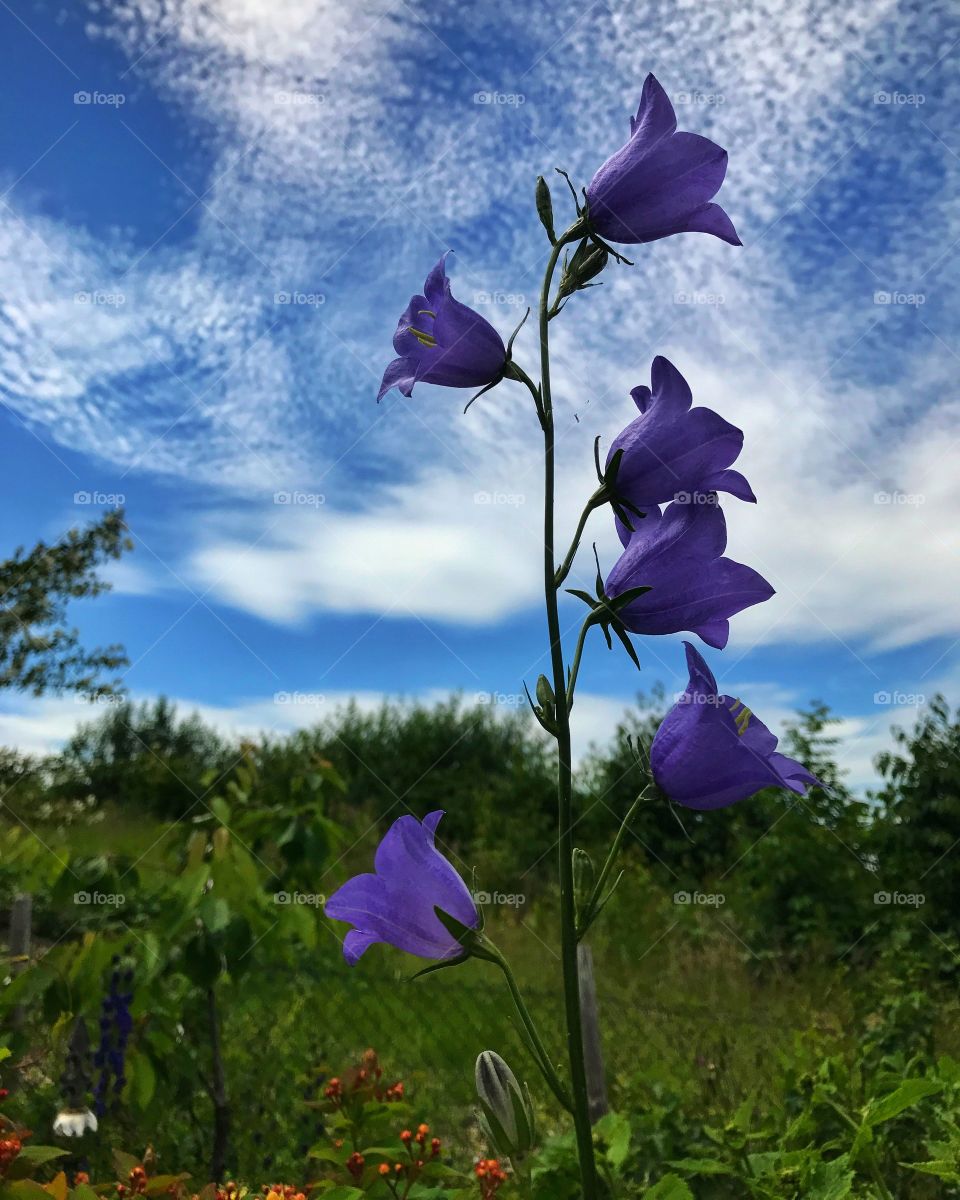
x,y
671,577
568,915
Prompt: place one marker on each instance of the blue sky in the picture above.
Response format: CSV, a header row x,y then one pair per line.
x,y
213,213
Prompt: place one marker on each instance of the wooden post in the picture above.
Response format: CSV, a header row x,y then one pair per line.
x,y
20,941
20,922
592,1052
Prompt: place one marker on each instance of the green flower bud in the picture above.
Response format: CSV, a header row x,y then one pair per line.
x,y
506,1110
545,691
545,208
584,877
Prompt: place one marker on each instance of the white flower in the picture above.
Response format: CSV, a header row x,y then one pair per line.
x,y
74,1122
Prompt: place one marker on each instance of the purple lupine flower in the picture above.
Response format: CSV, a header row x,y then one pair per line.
x,y
661,182
116,1025
439,340
674,451
711,751
679,555
396,905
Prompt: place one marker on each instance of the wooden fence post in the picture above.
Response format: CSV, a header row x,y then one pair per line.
x,y
592,1051
20,941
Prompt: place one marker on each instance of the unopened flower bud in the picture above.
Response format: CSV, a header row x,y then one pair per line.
x,y
507,1112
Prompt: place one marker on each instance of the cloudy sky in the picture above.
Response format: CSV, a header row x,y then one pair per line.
x,y
213,213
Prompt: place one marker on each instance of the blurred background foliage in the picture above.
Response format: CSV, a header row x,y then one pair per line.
x,y
765,981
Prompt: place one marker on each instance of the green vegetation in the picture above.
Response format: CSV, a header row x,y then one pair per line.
x,y
777,981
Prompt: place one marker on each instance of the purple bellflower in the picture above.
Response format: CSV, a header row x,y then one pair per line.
x,y
672,451
439,340
679,555
396,904
661,182
711,751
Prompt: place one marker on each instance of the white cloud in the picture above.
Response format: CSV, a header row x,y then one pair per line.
x,y
338,168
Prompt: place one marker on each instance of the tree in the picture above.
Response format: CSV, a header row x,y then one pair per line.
x,y
918,831
144,757
38,652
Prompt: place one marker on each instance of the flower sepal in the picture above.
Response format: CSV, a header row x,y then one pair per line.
x,y
546,710
605,612
545,208
470,939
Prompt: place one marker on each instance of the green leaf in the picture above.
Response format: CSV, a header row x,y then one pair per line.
x,y
700,1166
614,1129
670,1187
909,1093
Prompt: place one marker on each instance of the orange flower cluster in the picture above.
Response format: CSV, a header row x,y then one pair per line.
x,y
490,1174
10,1147
363,1082
136,1183
282,1191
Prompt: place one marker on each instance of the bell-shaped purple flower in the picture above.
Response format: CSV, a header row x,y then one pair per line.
x,y
439,340
672,451
711,751
396,905
679,555
661,182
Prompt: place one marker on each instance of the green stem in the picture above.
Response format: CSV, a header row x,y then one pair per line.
x,y
575,665
597,500
568,920
543,1058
